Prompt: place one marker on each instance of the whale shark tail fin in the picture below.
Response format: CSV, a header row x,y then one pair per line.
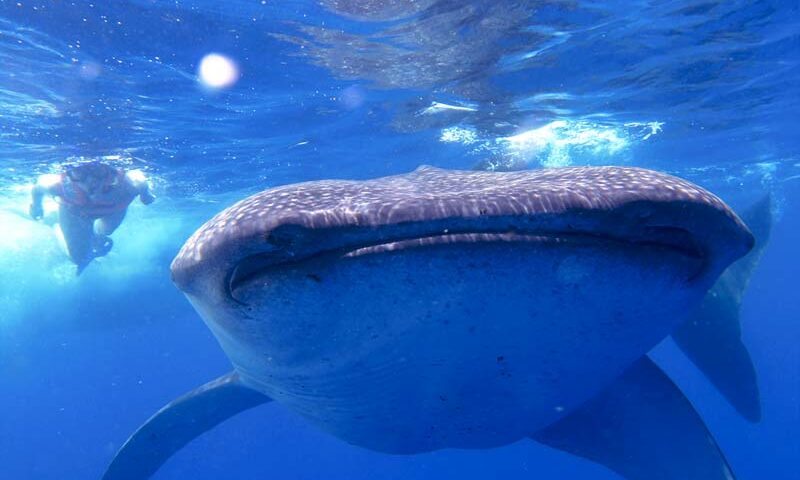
x,y
643,428
712,337
180,422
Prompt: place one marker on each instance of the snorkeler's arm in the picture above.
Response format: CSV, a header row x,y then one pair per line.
x,y
142,186
45,184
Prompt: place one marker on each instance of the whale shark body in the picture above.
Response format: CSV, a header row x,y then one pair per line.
x,y
449,309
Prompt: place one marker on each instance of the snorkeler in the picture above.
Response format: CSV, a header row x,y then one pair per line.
x,y
93,199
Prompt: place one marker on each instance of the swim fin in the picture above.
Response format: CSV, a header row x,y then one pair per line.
x,y
102,245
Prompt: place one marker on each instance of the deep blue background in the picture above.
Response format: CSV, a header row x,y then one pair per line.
x,y
83,361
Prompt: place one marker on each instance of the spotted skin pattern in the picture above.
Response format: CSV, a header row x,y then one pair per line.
x,y
430,194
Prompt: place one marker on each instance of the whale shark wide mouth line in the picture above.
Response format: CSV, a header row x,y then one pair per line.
x,y
668,239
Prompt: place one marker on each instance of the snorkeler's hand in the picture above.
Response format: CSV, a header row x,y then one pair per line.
x,y
36,211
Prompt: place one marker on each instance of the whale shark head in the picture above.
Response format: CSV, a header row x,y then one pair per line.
x,y
488,301
633,206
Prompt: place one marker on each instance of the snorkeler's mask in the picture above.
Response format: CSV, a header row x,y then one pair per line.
x,y
94,177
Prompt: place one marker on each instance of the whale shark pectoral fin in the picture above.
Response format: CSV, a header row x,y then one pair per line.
x,y
712,338
178,423
643,428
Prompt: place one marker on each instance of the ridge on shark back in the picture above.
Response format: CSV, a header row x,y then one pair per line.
x,y
452,309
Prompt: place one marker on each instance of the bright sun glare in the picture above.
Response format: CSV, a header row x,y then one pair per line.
x,y
217,71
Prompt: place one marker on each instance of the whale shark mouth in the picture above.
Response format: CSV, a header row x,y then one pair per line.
x,y
667,239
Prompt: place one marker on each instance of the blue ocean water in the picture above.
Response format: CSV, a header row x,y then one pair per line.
x,y
705,90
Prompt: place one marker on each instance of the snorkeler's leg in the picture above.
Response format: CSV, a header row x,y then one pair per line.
x,y
106,225
78,236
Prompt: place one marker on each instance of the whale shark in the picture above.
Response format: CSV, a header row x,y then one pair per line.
x,y
459,309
